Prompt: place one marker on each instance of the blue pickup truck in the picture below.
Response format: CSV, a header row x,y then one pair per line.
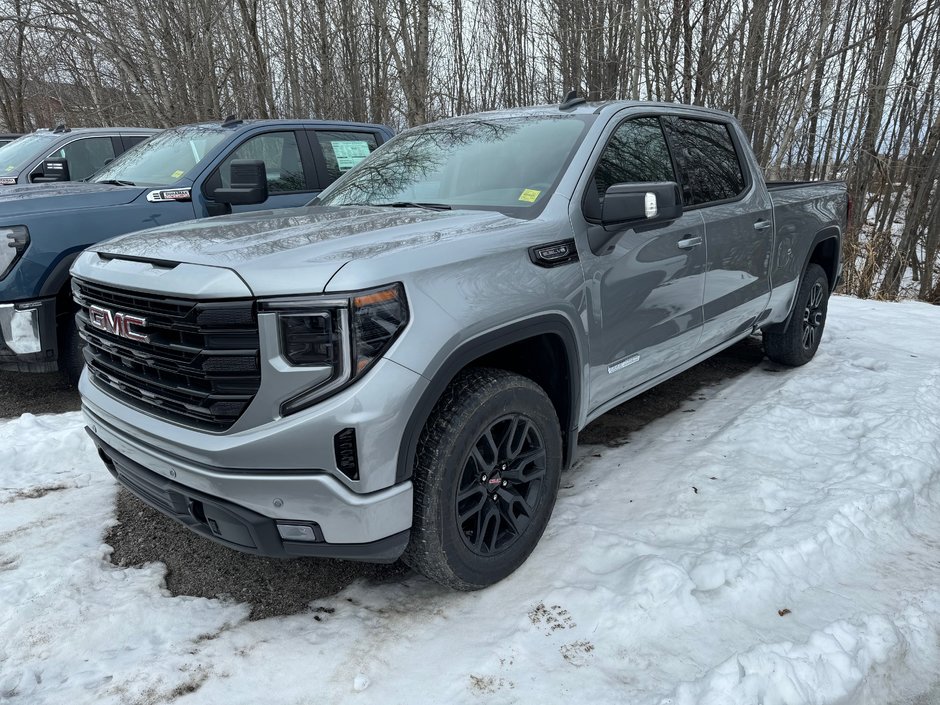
x,y
194,171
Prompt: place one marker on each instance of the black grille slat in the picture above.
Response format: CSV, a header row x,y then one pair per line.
x,y
200,366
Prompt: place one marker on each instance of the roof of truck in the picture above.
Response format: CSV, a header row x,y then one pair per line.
x,y
306,122
93,130
591,108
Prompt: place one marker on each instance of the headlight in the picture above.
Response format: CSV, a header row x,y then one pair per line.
x,y
13,243
344,335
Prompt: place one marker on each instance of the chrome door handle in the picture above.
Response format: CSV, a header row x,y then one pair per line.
x,y
762,224
689,243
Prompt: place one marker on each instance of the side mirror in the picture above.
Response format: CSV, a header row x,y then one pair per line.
x,y
53,170
249,184
641,204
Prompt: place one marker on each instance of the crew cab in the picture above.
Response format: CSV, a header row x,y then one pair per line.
x,y
65,154
402,368
180,174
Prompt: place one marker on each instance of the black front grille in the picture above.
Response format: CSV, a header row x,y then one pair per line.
x,y
200,366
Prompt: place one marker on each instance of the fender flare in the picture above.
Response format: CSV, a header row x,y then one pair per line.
x,y
59,274
475,348
831,232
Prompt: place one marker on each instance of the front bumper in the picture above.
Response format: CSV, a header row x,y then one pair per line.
x,y
28,340
232,525
284,471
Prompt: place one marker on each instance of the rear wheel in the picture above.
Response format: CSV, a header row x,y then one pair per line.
x,y
795,342
488,467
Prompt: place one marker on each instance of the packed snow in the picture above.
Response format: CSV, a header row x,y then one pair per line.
x,y
780,545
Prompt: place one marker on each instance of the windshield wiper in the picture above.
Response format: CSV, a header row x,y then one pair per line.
x,y
412,204
117,182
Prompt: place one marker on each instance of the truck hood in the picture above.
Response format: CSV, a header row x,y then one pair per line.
x,y
273,251
68,195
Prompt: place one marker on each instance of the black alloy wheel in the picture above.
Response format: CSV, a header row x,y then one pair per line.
x,y
500,484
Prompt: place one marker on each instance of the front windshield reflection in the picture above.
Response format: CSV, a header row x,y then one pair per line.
x,y
164,158
501,163
17,154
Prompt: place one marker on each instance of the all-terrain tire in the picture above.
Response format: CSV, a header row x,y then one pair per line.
x,y
795,341
492,434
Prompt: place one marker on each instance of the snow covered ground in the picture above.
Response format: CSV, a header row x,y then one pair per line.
x,y
781,545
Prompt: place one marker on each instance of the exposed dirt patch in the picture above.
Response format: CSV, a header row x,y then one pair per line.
x,y
22,393
197,566
34,493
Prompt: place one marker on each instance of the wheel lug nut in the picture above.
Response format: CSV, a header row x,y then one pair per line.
x,y
495,497
483,477
505,483
505,466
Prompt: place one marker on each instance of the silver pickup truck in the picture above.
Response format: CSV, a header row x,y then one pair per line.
x,y
401,368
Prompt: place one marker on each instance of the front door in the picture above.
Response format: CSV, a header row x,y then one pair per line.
x,y
647,288
291,174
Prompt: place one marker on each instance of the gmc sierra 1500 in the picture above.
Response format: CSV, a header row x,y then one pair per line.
x,y
402,368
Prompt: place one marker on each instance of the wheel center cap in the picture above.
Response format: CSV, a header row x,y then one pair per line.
x,y
494,481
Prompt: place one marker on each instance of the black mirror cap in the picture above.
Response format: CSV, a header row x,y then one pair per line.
x,y
641,204
249,184
53,170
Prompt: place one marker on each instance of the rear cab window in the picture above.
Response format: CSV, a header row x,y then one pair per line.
x,y
708,160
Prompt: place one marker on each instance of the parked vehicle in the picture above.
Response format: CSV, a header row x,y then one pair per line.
x,y
65,154
402,369
7,137
178,175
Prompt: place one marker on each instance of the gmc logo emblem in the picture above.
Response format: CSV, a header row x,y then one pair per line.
x,y
116,323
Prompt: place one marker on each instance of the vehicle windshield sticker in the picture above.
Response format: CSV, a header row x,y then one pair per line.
x,y
530,194
349,152
11,167
178,173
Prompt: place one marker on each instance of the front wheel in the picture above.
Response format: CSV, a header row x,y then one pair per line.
x,y
71,345
795,341
487,472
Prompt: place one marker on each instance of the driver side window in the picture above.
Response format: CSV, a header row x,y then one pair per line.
x,y
281,157
85,156
636,153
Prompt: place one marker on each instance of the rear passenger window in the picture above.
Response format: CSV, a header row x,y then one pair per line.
x,y
709,162
132,140
343,150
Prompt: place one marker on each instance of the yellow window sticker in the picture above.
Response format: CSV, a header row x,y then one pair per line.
x,y
11,167
178,173
530,194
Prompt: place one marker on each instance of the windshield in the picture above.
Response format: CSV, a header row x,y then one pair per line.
x,y
503,163
17,154
164,158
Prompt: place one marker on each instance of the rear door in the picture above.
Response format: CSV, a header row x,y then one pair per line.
x,y
717,183
648,284
291,172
